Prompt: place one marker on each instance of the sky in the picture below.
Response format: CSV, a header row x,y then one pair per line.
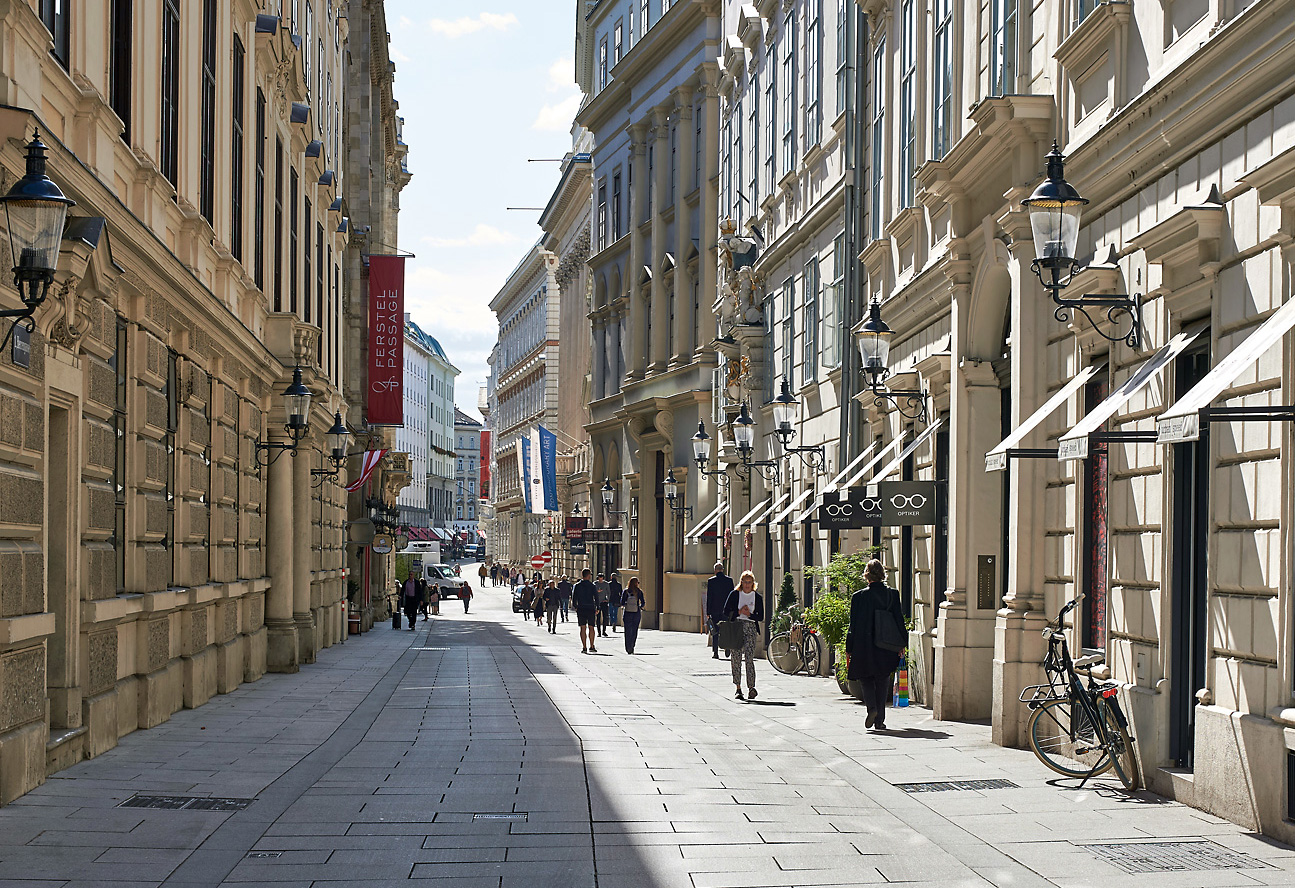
x,y
483,87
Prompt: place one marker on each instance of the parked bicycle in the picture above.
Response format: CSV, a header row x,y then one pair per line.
x,y
1078,729
795,650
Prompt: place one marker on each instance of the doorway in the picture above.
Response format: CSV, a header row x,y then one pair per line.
x,y
65,702
1189,601
659,543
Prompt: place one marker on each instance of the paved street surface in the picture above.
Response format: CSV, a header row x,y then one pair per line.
x,y
483,752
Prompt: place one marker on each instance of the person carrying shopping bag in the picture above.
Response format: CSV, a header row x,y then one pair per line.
x,y
746,608
875,641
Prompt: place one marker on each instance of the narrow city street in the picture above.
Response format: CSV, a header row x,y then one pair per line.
x,y
483,751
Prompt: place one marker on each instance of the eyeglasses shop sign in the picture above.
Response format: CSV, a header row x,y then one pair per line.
x,y
888,504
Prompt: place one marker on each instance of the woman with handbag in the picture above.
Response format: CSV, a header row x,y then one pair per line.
x,y
745,608
875,641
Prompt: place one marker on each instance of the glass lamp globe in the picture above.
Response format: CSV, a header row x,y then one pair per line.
x,y
35,210
671,486
336,437
608,493
784,411
296,401
874,344
744,431
1055,208
701,445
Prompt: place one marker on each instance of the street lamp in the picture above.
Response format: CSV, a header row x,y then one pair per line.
x,y
1055,208
785,408
671,489
296,405
701,455
744,436
35,210
609,496
874,348
336,438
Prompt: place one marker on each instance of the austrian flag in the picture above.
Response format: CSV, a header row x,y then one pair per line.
x,y
371,460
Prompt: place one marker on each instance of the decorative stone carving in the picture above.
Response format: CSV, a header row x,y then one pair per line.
x,y
665,424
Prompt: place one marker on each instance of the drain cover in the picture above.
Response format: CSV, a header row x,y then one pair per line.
x,y
186,803
1173,857
953,785
522,815
264,855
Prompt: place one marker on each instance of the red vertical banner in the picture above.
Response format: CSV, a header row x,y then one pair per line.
x,y
483,486
386,340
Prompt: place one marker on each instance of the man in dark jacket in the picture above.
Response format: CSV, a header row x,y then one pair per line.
x,y
871,663
585,598
718,588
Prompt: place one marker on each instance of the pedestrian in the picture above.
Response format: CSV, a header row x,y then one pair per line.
x,y
527,598
585,597
481,572
539,605
718,588
564,596
633,602
604,597
423,603
869,663
614,595
746,606
411,602
435,598
465,595
552,602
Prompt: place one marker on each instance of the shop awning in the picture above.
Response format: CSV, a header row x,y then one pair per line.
x,y
1010,447
705,524
792,506
481,534
443,535
836,482
904,454
1182,422
767,505
1074,443
858,476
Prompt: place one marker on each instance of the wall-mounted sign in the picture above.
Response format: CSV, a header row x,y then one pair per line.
x,y
577,547
848,510
575,529
22,346
402,541
905,503
888,504
986,582
386,396
382,544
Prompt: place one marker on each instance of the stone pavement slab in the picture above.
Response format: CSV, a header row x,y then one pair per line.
x,y
482,751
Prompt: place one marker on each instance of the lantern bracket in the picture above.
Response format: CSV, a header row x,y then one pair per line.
x,y
1120,311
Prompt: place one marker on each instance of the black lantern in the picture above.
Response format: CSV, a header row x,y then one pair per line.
x,y
35,211
336,437
671,490
785,408
609,497
744,435
296,406
874,337
1055,208
701,455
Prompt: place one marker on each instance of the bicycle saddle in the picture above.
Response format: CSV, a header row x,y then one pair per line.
x,y
1090,660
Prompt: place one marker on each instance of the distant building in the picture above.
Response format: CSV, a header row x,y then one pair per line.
x,y
467,477
427,436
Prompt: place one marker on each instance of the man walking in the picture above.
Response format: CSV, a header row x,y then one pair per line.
x,y
614,593
718,588
604,598
481,572
551,604
564,596
585,597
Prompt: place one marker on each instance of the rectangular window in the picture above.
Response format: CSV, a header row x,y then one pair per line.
x,y
739,183
294,233
319,286
170,93
674,165
618,42
1082,8
278,225
1002,53
726,198
630,15
843,8
305,234
753,147
651,178
788,331
645,20
771,125
602,216
617,231
907,101
54,13
207,150
809,346
789,93
697,119
120,67
834,307
878,134
258,211
942,80
236,154
813,73
602,64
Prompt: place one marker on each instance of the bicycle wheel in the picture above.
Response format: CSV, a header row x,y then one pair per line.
x,y
1120,746
1075,754
809,654
782,654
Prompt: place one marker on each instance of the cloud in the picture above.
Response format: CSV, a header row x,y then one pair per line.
x,y
455,28
562,75
557,118
481,236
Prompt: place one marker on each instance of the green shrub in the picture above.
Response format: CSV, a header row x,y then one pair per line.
x,y
830,615
787,594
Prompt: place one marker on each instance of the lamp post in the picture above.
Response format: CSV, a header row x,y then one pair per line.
x,y
744,437
671,488
336,437
1055,208
874,337
296,404
701,455
609,497
35,211
785,407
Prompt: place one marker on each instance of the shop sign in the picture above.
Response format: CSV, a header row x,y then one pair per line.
x,y
577,547
386,341
575,528
21,346
906,503
888,504
382,544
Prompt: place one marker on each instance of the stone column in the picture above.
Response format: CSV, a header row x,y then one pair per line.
x,y
302,556
282,653
659,345
600,357
636,360
684,322
709,228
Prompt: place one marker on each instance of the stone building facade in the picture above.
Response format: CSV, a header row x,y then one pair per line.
x,y
467,475
151,553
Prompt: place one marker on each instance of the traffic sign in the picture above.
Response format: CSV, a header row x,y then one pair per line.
x,y
538,562
547,556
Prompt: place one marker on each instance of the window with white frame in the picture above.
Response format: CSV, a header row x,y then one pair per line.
x,y
738,183
753,145
602,215
834,319
942,79
727,197
618,41
1002,52
771,123
789,93
809,344
789,331
813,72
645,21
843,11
907,101
878,133
630,15
602,63
1083,7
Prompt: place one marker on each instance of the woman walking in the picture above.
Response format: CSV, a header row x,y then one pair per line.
x,y
632,604
875,616
411,602
746,607
538,605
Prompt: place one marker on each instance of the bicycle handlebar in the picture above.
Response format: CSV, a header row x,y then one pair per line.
x,y
1057,622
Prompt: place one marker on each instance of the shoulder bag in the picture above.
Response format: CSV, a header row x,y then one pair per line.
x,y
887,634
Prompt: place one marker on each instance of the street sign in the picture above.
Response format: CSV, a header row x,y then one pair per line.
x,y
382,544
547,556
905,503
538,562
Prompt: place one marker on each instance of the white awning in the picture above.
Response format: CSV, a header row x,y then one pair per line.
x,y
858,476
1182,422
1074,443
835,482
907,451
793,505
752,518
996,459
706,523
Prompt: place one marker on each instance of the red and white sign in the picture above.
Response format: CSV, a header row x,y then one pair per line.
x,y
386,341
538,562
371,460
547,556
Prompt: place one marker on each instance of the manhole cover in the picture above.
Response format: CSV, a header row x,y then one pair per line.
x,y
954,785
1173,857
518,816
186,803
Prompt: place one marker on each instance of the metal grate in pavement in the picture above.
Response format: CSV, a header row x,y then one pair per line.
x,y
520,815
186,803
1172,857
264,855
954,785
